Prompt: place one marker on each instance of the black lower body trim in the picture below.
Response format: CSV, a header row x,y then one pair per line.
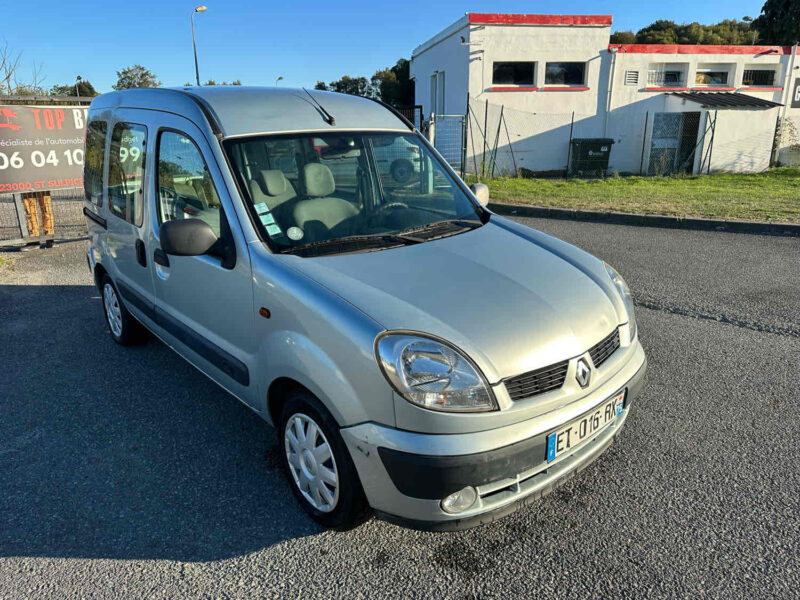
x,y
434,477
135,299
492,515
224,361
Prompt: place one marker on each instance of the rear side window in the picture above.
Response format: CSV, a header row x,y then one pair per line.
x,y
185,189
93,161
126,159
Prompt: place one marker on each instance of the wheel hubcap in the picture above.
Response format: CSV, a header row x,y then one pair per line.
x,y
113,312
311,462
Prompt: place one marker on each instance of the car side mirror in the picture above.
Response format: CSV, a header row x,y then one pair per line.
x,y
481,191
187,237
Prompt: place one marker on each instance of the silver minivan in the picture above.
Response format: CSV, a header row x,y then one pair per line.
x,y
420,357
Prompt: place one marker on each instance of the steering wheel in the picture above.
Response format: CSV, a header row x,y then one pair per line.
x,y
386,207
390,206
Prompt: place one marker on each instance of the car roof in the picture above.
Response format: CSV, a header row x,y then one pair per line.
x,y
238,110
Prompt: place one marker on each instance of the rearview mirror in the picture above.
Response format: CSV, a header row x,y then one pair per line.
x,y
187,237
481,191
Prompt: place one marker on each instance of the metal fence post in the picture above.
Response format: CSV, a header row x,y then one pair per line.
x,y
22,221
569,143
644,143
485,135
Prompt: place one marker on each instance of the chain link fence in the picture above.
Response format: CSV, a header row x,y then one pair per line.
x,y
68,219
494,140
449,138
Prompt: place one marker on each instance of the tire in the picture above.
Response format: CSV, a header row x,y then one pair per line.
x,y
402,170
124,329
344,505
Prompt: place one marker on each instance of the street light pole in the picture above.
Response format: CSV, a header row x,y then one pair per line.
x,y
77,81
197,9
277,80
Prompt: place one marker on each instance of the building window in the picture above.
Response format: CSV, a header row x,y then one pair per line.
x,y
712,74
765,77
666,75
631,77
513,73
565,73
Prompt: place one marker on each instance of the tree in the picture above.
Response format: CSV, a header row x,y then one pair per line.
x,y
212,82
9,63
779,22
727,31
623,37
393,85
136,77
658,32
85,88
403,94
355,86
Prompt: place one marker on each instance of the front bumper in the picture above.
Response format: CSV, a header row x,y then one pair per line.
x,y
405,475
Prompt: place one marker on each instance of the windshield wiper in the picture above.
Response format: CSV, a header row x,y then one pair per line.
x,y
352,242
447,223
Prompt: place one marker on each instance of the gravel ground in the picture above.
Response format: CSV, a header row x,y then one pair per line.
x,y
125,474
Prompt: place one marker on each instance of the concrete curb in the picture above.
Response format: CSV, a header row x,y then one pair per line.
x,y
541,212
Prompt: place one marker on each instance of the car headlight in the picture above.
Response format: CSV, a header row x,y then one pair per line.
x,y
627,298
432,374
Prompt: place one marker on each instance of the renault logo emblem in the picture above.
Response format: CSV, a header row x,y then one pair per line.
x,y
583,373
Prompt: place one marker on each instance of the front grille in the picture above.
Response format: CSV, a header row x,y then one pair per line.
x,y
552,377
537,382
604,348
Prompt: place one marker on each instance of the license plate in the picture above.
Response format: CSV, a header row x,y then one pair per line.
x,y
589,425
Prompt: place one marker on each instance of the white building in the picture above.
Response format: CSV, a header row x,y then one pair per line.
x,y
556,77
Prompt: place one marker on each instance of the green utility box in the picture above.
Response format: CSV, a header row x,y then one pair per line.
x,y
588,157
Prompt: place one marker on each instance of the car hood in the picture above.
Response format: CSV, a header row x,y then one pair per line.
x,y
512,298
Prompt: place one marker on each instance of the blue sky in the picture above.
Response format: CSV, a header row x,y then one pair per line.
x,y
257,41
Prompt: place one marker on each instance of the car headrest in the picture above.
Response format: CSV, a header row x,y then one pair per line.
x,y
319,180
275,182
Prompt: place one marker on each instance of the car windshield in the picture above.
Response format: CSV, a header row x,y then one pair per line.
x,y
325,193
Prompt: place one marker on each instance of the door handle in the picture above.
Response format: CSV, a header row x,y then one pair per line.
x,y
141,256
160,257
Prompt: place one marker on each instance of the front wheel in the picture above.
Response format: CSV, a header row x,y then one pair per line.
x,y
317,463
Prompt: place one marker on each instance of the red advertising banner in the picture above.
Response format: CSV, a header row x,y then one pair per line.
x,y
41,147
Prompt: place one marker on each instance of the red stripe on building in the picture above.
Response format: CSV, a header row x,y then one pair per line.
x,y
762,89
520,19
698,49
666,89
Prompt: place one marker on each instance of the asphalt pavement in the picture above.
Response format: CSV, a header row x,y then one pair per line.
x,y
126,474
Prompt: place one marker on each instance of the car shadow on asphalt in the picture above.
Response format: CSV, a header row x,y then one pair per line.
x,y
112,452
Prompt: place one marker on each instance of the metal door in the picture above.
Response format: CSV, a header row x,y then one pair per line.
x,y
127,193
204,308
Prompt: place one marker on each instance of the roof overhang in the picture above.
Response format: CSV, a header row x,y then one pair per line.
x,y
700,49
526,19
725,100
